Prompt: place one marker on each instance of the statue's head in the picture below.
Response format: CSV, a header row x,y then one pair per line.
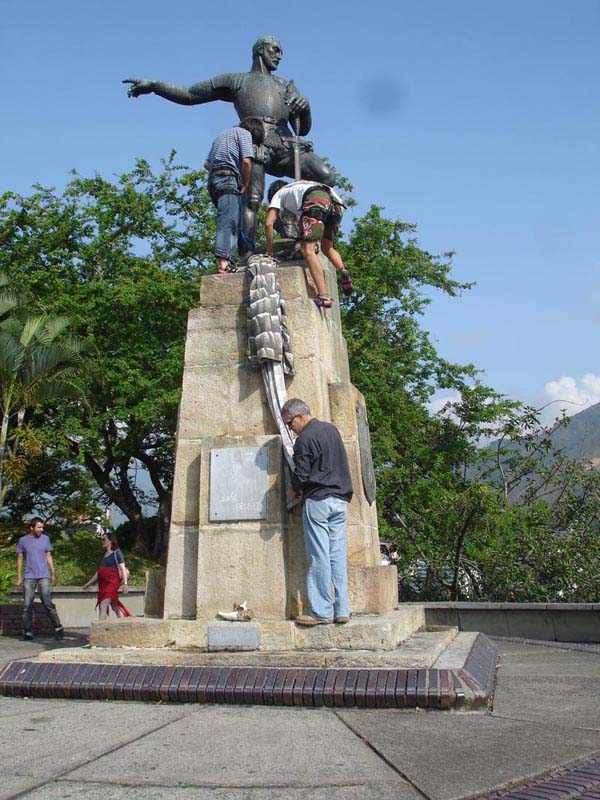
x,y
268,48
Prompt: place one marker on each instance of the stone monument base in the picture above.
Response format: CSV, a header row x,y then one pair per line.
x,y
376,632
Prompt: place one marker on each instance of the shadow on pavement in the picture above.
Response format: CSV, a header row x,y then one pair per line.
x,y
13,647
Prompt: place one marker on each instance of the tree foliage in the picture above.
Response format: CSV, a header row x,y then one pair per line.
x,y
41,363
512,522
121,258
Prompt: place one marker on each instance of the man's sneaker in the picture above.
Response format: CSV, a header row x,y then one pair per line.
x,y
59,632
342,620
28,636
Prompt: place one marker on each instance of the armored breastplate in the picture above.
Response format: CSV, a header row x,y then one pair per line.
x,y
261,96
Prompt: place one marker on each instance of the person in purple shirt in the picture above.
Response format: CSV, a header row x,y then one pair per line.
x,y
40,573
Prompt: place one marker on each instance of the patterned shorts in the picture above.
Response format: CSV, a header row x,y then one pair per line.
x,y
321,216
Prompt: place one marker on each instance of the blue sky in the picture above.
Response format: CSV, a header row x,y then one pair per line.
x,y
478,121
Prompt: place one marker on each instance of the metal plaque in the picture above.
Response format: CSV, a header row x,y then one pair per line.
x,y
238,483
366,457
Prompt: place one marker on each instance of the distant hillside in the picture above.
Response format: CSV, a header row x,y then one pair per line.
x,y
581,438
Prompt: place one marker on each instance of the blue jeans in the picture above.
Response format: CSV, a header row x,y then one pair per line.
x,y
228,215
325,540
45,592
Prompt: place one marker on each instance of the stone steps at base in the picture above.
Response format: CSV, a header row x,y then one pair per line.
x,y
420,651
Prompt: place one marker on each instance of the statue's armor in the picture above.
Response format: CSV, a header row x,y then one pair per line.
x,y
263,97
253,94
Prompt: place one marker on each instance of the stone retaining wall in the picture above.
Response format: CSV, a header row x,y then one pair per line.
x,y
77,608
551,622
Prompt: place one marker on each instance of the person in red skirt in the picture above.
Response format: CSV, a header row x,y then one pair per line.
x,y
109,577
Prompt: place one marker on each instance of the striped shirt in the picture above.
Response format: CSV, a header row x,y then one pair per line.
x,y
229,148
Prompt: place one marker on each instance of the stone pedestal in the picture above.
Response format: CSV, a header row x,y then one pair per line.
x,y
213,564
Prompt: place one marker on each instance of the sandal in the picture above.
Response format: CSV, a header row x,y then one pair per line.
x,y
229,267
323,301
346,282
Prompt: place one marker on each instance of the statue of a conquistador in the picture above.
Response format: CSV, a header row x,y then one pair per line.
x,y
257,94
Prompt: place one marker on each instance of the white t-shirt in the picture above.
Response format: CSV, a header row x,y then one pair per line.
x,y
289,198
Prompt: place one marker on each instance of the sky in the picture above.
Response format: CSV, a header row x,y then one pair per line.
x,y
477,121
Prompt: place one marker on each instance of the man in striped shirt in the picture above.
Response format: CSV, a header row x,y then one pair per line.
x,y
229,163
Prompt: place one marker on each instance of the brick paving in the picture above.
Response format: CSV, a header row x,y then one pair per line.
x,y
580,782
347,688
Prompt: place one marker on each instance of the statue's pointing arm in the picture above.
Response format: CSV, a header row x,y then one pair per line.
x,y
202,92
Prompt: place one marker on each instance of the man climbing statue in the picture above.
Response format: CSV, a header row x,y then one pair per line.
x,y
316,212
259,95
229,165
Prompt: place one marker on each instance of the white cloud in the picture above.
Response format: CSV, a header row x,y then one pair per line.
x,y
572,394
437,405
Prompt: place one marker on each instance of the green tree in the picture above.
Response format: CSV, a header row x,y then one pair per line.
x,y
516,520
40,363
481,523
121,258
392,359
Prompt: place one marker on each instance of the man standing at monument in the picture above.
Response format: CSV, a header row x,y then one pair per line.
x,y
39,571
257,94
229,164
322,474
318,211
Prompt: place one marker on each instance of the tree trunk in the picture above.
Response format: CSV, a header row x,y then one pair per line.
x,y
459,551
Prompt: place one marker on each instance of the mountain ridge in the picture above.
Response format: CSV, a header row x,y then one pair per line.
x,y
580,439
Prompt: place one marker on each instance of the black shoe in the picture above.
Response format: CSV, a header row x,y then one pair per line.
x,y
28,636
59,633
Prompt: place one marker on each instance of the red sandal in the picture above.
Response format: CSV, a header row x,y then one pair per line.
x,y
323,301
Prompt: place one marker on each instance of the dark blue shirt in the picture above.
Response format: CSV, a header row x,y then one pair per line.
x,y
109,560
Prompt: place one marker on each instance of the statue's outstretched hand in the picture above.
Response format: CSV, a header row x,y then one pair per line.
x,y
139,86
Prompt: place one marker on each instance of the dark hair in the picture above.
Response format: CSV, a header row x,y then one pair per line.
x,y
34,521
112,537
274,188
255,129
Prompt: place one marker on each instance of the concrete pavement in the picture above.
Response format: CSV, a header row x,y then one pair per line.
x,y
546,714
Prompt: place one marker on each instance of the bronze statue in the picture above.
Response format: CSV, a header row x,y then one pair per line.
x,y
259,95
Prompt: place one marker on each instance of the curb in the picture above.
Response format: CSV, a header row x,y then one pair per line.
x,y
468,687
